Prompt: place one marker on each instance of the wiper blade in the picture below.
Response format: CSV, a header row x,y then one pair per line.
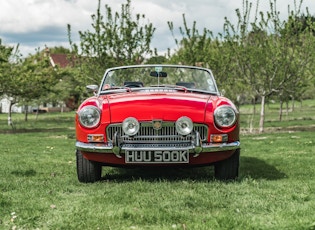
x,y
176,87
116,89
202,91
183,88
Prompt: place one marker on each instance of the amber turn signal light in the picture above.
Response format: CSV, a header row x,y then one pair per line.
x,y
218,138
95,138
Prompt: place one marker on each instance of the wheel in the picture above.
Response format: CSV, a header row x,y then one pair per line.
x,y
228,169
87,171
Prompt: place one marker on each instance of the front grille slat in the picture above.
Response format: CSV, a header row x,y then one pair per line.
x,y
147,134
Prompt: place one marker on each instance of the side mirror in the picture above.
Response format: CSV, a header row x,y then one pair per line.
x,y
92,88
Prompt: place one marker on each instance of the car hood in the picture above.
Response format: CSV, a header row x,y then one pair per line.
x,y
164,106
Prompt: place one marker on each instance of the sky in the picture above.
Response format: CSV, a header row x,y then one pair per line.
x,y
34,24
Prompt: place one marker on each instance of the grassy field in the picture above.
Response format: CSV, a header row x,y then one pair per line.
x,y
39,188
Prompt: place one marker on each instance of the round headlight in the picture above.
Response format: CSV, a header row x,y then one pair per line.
x,y
89,116
184,126
130,126
225,116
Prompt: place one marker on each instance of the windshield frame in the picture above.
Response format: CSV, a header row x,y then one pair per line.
x,y
172,87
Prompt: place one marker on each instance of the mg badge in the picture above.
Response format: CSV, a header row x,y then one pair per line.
x,y
157,124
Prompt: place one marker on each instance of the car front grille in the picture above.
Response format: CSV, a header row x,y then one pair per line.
x,y
147,134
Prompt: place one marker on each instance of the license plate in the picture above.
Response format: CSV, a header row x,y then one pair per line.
x,y
157,157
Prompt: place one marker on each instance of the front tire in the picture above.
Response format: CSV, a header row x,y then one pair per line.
x,y
87,171
228,169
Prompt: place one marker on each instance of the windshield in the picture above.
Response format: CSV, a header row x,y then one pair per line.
x,y
146,76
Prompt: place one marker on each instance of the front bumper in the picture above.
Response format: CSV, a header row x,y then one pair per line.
x,y
110,148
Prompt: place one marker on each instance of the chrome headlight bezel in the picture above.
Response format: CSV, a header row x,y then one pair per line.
x,y
89,116
130,126
184,125
225,116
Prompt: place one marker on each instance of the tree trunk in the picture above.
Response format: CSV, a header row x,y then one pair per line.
x,y
25,113
254,103
251,121
262,114
293,104
37,112
280,110
10,113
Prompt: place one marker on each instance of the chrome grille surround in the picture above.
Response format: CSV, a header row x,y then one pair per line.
x,y
147,134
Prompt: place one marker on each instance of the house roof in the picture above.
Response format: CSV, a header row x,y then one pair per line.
x,y
62,60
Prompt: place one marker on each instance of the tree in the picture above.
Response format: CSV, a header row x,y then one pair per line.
x,y
117,39
193,47
36,80
26,80
10,59
203,49
67,90
267,59
300,29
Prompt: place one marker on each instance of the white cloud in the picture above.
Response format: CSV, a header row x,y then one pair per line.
x,y
34,23
32,15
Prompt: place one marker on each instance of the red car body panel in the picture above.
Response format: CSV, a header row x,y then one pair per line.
x,y
168,107
165,106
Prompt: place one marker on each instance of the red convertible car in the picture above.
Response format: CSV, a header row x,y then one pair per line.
x,y
157,115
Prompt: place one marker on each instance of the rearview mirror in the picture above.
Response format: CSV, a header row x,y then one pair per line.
x,y
158,74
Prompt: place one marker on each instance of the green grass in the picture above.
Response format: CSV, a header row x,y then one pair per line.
x,y
47,122
39,188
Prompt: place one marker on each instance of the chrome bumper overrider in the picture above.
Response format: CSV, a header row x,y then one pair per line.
x,y
110,148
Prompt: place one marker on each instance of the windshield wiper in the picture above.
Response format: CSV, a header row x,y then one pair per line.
x,y
176,87
116,89
183,88
202,91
